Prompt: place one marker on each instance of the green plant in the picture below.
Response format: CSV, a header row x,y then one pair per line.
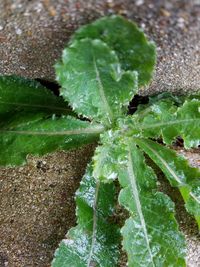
x,y
100,72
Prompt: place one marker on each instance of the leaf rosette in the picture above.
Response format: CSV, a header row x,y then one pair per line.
x,y
102,68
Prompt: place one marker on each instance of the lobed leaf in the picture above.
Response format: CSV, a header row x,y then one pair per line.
x,y
93,82
150,235
167,120
177,171
175,100
95,240
135,52
38,134
17,94
189,114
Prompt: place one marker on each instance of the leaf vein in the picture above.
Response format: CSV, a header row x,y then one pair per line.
x,y
53,133
138,204
101,90
167,123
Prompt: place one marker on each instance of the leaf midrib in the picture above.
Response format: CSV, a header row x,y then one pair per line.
x,y
96,130
134,189
94,227
35,105
101,91
180,183
166,123
165,164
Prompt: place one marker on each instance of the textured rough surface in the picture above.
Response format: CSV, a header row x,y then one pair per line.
x,y
33,33
36,210
133,49
37,207
103,97
186,222
95,240
151,213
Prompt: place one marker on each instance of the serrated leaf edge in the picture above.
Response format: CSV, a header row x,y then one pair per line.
x,y
133,184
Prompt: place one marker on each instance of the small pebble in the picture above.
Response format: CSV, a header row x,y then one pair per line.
x,y
18,31
139,2
181,22
165,12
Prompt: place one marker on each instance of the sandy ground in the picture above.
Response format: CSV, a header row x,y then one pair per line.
x,y
37,207
37,201
33,33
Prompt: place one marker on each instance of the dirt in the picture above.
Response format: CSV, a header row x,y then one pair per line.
x,y
37,206
37,200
